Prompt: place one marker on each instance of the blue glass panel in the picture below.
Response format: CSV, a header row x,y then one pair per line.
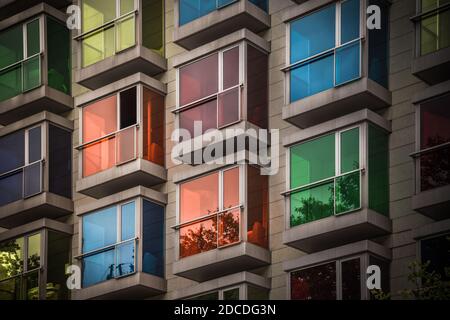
x,y
379,47
222,3
349,20
312,78
263,4
99,229
125,259
12,151
128,221
347,63
98,268
153,239
313,34
34,144
193,9
11,188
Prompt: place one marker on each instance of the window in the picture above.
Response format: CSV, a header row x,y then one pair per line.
x,y
379,47
20,59
436,253
433,157
190,10
110,129
325,176
224,294
319,57
434,21
60,161
108,27
21,167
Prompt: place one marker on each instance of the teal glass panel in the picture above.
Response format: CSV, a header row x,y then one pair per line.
x,y
33,38
193,9
312,204
262,4
350,150
348,63
98,268
349,20
32,73
99,229
348,192
125,259
128,221
153,239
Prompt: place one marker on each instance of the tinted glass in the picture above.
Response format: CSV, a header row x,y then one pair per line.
x,y
349,20
379,47
58,257
257,87
198,237
34,144
99,229
351,279
153,239
317,283
31,73
60,161
32,183
34,252
11,46
100,118
153,127
347,63
12,253
33,38
436,252
12,151
231,68
11,188
348,192
152,25
98,268
128,221
192,9
257,207
350,150
228,107
232,294
204,114
231,188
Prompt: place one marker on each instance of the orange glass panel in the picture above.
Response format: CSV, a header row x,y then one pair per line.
x,y
99,156
198,237
199,197
99,119
153,127
229,227
258,204
231,188
126,145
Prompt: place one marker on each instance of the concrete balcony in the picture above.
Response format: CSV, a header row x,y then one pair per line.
x,y
230,18
11,7
433,203
432,68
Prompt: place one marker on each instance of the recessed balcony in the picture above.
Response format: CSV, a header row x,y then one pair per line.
x,y
117,42
217,239
122,140
334,75
35,173
201,22
338,186
35,64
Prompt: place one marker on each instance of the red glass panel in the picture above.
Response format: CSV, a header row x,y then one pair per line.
x,y
99,156
199,79
228,107
153,127
229,227
199,197
206,113
257,207
231,68
198,237
435,120
99,119
231,188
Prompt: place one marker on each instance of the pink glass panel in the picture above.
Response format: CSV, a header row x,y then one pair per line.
x,y
229,107
231,188
99,119
231,68
99,156
126,145
206,113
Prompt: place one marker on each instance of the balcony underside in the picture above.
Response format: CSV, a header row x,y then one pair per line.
x,y
40,99
11,7
138,172
220,262
221,22
44,205
336,102
337,230
137,286
433,68
433,203
121,65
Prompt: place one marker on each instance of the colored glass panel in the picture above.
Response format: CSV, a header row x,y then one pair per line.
x,y
153,25
316,283
198,237
350,12
257,207
128,212
228,107
153,127
228,229
349,150
204,116
348,192
351,279
99,229
153,239
257,87
348,63
231,68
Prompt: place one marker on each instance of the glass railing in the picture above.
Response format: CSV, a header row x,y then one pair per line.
x,y
21,183
334,196
20,77
111,262
23,286
216,230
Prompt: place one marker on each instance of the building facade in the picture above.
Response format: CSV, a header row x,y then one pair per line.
x,y
358,89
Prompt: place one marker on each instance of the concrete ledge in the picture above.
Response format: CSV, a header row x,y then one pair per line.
x,y
337,230
220,262
336,102
223,282
431,229
433,203
431,93
116,179
136,286
34,101
242,14
365,246
19,11
35,226
133,60
432,68
45,204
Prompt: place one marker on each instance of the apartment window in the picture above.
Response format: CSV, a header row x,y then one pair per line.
x,y
434,154
434,21
436,252
110,129
110,241
325,49
190,10
21,165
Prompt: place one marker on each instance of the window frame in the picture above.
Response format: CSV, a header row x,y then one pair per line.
x,y
338,45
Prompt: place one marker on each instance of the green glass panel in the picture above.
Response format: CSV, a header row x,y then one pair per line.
x,y
312,204
98,46
126,35
126,6
10,82
11,46
350,150
313,161
152,25
31,286
429,35
33,38
10,289
96,13
378,168
31,73
232,294
347,192
58,257
58,52
34,252
11,258
435,29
